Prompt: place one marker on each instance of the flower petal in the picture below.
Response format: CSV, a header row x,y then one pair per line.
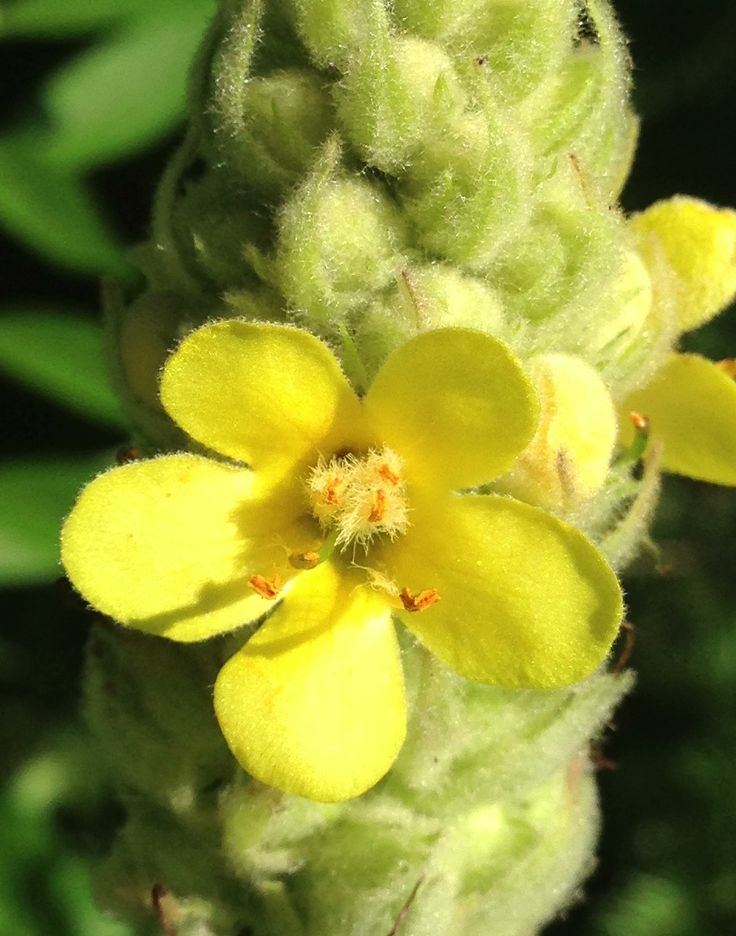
x,y
698,242
314,702
457,406
691,408
526,601
267,395
167,546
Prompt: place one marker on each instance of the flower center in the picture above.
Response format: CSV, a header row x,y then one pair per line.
x,y
357,497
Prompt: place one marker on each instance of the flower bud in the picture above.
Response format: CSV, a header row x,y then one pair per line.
x,y
333,29
425,297
629,306
568,459
469,191
287,116
395,96
140,337
214,227
340,242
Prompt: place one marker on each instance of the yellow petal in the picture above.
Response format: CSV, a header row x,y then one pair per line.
x,y
691,408
267,395
455,404
168,545
699,244
526,601
314,702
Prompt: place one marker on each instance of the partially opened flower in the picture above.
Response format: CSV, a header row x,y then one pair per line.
x,y
335,515
690,404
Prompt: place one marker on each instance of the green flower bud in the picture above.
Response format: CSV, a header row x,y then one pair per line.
x,y
469,191
557,272
214,227
340,241
396,94
139,338
141,695
630,305
423,298
286,116
333,29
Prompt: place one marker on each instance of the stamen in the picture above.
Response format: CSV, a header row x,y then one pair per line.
x,y
307,560
266,588
389,476
358,497
331,490
311,559
128,454
728,366
641,423
425,599
378,508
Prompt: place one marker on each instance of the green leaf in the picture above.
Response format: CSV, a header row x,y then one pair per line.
x,y
117,98
52,19
36,496
51,211
60,354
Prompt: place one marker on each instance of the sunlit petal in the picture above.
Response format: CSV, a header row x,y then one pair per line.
x,y
314,702
691,409
456,404
267,395
168,546
525,601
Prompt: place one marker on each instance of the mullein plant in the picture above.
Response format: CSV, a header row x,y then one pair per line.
x,y
401,383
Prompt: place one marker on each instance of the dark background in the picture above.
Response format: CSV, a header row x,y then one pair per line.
x,y
668,853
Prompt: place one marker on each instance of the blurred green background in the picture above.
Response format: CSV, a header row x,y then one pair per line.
x,y
91,106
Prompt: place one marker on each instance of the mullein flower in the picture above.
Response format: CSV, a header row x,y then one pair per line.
x,y
340,514
689,405
422,185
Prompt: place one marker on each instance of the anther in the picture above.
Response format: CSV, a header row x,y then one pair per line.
x,y
266,588
640,423
307,560
425,599
127,454
728,366
641,427
331,490
378,507
390,477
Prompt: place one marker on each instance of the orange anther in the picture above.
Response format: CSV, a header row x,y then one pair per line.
x,y
425,599
266,588
378,507
307,560
390,477
128,454
728,366
641,423
331,490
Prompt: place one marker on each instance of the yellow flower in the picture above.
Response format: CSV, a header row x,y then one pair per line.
x,y
690,404
335,515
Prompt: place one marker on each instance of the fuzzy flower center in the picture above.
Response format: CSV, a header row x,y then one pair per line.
x,y
357,497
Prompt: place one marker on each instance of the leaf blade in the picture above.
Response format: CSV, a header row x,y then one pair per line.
x,y
37,494
60,354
